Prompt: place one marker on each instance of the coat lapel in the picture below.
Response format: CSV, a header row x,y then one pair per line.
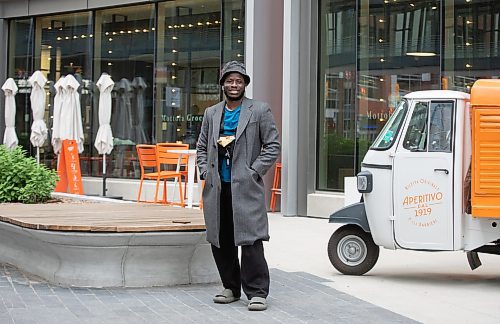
x,y
216,120
245,114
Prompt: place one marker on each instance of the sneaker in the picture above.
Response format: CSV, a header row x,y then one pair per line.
x,y
257,304
225,297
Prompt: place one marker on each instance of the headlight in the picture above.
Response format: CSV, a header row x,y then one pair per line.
x,y
365,182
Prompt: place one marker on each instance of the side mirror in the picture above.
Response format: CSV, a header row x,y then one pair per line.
x,y
365,182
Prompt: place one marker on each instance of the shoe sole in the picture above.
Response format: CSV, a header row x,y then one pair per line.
x,y
225,300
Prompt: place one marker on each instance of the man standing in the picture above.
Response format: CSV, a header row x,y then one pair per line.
x,y
238,143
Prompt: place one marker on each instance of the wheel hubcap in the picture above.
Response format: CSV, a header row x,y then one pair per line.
x,y
351,250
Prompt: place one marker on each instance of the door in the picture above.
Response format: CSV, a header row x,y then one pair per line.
x,y
423,178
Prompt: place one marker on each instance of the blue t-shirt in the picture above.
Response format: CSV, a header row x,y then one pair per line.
x,y
230,123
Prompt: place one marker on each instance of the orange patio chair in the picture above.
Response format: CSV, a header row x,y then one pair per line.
x,y
183,163
276,189
149,160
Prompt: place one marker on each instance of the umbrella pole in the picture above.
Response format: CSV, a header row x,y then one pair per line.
x,y
104,174
37,155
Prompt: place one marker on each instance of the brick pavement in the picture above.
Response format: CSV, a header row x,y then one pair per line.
x,y
296,297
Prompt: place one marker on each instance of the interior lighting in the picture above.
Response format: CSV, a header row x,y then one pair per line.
x,y
182,25
381,20
49,28
235,19
174,51
386,1
109,63
170,26
145,30
216,21
137,30
208,23
49,47
421,54
67,37
199,23
174,64
122,32
468,44
434,7
239,27
381,79
239,55
468,65
91,35
75,37
381,100
129,32
468,22
110,39
49,58
114,33
174,37
110,52
239,41
58,38
382,60
176,26
190,25
468,1
83,36
152,28
412,5
106,33
380,40
174,77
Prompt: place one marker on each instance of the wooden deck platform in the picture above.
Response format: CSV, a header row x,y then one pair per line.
x,y
102,217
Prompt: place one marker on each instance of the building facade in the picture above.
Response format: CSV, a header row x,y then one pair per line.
x,y
332,71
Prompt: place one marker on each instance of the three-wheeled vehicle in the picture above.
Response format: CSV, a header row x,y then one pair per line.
x,y
430,181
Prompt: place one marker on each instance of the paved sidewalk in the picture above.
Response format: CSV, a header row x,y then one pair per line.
x,y
297,297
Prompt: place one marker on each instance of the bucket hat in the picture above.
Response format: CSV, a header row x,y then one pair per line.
x,y
231,67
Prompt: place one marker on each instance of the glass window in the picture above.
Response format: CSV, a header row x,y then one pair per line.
x,y
389,133
63,45
124,48
416,133
471,42
20,68
336,107
233,30
441,125
399,52
187,68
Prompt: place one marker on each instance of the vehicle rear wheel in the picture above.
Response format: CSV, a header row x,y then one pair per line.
x,y
352,251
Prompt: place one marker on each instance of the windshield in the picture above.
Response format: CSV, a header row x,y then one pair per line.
x,y
389,133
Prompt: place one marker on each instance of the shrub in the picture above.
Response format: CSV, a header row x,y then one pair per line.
x,y
22,179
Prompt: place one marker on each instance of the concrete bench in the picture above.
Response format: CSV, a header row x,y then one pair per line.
x,y
107,244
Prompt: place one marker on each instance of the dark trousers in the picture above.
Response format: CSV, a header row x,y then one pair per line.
x,y
253,275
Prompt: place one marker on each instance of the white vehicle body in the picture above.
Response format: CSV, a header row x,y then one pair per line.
x,y
418,177
417,201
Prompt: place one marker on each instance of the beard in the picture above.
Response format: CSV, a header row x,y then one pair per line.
x,y
234,98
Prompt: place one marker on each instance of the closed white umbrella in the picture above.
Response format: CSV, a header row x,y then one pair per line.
x,y
38,128
58,101
70,120
104,139
10,138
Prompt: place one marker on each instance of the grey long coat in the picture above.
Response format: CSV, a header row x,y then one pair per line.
x,y
256,149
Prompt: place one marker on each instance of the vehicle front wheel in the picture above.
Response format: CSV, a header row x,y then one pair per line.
x,y
352,250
